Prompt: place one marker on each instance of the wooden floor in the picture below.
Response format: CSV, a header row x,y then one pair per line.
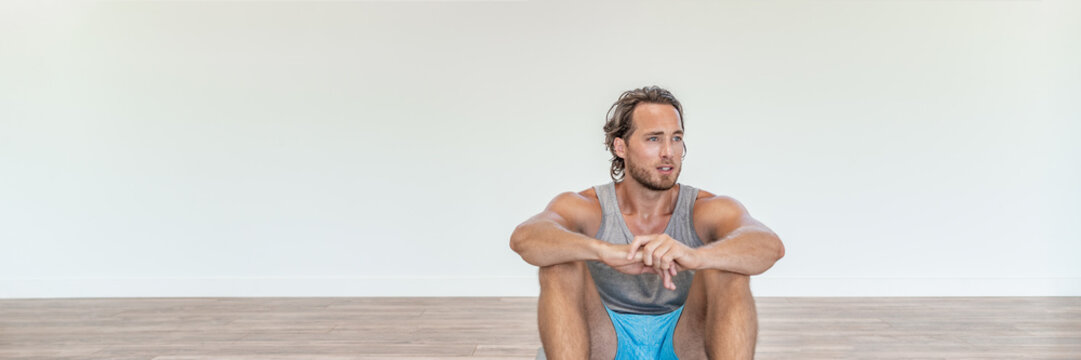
x,y
505,328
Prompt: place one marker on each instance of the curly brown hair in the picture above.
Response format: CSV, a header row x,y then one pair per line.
x,y
618,122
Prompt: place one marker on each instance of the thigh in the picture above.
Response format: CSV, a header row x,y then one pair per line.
x,y
602,335
688,337
726,294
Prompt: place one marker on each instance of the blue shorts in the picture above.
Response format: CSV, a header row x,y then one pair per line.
x,y
645,336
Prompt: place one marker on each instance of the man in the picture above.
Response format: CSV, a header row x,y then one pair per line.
x,y
645,267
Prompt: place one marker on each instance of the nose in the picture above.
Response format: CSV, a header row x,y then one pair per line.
x,y
666,149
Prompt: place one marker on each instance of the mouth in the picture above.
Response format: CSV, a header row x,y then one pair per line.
x,y
665,169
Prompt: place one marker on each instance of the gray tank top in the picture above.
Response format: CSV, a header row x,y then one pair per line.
x,y
642,294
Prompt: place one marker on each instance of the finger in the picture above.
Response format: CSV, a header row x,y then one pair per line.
x,y
666,262
659,264
661,254
675,270
668,281
665,245
647,253
656,256
674,257
639,241
666,259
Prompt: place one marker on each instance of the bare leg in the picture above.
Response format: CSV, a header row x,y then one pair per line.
x,y
572,320
719,319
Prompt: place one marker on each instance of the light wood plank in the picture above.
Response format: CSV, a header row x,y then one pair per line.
x,y
505,328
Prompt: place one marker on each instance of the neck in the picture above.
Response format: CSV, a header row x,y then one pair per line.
x,y
636,199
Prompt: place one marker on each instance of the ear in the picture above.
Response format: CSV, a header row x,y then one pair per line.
x,y
620,147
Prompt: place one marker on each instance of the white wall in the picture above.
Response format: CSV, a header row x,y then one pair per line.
x,y
389,148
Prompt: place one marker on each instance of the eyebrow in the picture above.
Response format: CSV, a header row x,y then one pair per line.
x,y
678,132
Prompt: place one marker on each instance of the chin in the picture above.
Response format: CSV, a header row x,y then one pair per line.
x,y
661,184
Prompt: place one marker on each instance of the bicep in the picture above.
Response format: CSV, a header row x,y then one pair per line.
x,y
564,210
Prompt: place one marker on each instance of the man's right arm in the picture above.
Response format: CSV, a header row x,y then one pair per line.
x,y
555,236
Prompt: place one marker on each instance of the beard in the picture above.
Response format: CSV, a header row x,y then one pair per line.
x,y
647,178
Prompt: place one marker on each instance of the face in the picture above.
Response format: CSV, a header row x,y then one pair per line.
x,y
653,152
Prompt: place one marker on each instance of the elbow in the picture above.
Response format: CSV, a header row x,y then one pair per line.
x,y
518,240
778,254
519,243
780,249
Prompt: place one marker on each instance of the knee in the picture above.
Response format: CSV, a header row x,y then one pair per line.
x,y
571,273
725,282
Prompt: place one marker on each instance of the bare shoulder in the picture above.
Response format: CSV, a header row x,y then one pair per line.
x,y
581,210
717,204
584,198
717,215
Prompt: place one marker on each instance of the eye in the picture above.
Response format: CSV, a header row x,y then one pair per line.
x,y
677,138
652,138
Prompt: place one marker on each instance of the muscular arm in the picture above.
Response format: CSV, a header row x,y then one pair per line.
x,y
555,235
735,241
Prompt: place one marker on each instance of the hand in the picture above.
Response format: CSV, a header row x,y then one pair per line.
x,y
664,254
614,256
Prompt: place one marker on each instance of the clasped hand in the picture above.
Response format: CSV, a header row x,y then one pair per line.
x,y
659,254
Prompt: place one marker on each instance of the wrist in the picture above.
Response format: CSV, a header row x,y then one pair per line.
x,y
597,249
699,259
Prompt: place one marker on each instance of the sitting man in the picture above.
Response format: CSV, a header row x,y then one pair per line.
x,y
644,267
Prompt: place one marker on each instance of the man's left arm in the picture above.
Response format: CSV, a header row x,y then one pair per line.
x,y
734,241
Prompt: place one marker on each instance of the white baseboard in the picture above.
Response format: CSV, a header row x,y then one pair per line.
x,y
507,286
910,286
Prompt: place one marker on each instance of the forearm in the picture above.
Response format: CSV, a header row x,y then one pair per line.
x,y
544,243
748,251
